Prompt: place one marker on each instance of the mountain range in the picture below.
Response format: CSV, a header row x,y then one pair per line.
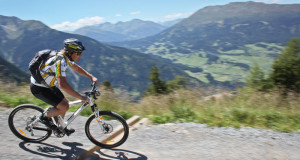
x,y
217,45
225,40
124,68
123,31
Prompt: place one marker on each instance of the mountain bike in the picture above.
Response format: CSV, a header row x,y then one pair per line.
x,y
104,128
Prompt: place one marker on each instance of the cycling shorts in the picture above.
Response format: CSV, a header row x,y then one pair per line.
x,y
51,96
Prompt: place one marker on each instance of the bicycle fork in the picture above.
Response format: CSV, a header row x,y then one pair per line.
x,y
98,117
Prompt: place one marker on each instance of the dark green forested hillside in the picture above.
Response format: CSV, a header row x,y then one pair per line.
x,y
11,73
127,69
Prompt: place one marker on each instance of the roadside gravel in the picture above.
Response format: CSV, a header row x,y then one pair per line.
x,y
180,141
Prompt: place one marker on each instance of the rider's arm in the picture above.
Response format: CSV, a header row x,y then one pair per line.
x,y
65,86
83,72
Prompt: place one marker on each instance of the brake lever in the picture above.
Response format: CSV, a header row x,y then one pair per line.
x,y
98,93
86,93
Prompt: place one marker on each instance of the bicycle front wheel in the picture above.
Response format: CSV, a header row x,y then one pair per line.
x,y
109,132
23,122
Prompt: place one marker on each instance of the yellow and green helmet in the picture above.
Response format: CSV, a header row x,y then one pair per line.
x,y
73,44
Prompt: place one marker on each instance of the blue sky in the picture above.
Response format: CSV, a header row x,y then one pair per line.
x,y
68,15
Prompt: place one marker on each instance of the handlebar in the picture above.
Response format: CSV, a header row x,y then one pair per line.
x,y
94,86
94,93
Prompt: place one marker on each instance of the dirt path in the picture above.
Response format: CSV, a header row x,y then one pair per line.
x,y
180,141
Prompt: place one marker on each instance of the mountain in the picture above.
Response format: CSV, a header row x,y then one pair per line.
x,y
121,31
170,23
126,69
12,73
225,40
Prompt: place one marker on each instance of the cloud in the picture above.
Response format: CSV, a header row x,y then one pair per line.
x,y
137,12
177,15
174,15
270,1
69,26
119,15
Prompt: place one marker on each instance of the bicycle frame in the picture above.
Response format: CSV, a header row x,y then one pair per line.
x,y
91,95
64,124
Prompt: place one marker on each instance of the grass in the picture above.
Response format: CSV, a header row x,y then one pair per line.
x,y
260,53
13,95
199,75
246,107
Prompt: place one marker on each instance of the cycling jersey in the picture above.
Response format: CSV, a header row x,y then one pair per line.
x,y
54,67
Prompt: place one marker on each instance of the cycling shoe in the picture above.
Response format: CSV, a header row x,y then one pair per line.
x,y
69,131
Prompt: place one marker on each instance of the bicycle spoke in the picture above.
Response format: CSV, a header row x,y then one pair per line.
x,y
114,130
24,124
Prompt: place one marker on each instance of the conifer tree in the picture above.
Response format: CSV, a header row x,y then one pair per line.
x,y
255,77
157,85
286,68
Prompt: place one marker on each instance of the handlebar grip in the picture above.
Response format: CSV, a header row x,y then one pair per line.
x,y
94,86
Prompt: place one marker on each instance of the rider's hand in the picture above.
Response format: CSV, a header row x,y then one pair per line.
x,y
85,99
94,79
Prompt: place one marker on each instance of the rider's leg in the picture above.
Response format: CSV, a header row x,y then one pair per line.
x,y
52,96
60,109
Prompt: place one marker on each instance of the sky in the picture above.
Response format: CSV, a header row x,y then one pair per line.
x,y
68,15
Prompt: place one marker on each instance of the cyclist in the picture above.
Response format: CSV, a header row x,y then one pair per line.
x,y
54,74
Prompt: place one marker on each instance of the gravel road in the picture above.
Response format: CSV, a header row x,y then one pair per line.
x,y
180,141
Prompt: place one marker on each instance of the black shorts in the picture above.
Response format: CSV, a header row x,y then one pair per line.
x,y
51,96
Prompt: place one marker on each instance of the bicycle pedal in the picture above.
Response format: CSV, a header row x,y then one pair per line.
x,y
53,128
59,134
69,131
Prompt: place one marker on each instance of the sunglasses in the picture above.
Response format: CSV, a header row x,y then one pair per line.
x,y
78,53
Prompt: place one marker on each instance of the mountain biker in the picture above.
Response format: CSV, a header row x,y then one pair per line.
x,y
54,74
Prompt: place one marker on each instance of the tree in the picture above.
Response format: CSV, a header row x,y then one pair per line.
x,y
107,86
177,83
157,85
107,90
255,77
286,68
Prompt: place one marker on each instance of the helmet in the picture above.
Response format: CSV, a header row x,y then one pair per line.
x,y
73,44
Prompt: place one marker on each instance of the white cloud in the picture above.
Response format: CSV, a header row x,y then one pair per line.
x,y
69,26
174,15
137,12
119,15
270,1
177,15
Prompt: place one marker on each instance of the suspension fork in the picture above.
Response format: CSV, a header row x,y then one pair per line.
x,y
98,118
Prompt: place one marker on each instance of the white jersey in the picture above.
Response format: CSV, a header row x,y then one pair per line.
x,y
54,67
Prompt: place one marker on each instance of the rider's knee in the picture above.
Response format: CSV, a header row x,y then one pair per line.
x,y
63,105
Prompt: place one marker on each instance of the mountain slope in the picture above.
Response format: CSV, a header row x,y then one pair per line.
x,y
127,69
225,40
121,31
11,73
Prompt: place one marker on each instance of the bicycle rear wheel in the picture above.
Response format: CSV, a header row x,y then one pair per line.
x,y
24,116
112,132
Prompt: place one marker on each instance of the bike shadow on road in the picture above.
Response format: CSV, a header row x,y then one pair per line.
x,y
121,154
70,152
73,151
